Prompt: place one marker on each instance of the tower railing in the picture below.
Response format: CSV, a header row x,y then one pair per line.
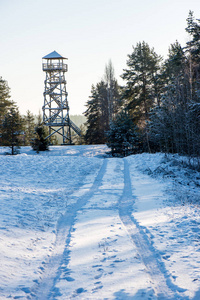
x,y
54,67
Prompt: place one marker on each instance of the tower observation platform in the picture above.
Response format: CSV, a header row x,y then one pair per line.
x,y
56,108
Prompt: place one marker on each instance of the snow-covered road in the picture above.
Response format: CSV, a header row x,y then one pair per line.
x,y
75,224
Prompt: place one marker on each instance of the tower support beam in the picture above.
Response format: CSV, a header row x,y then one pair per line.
x,y
56,108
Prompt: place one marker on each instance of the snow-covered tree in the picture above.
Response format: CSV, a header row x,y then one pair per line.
x,y
174,125
123,136
193,56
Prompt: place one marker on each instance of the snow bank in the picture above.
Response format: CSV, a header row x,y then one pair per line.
x,y
167,209
99,260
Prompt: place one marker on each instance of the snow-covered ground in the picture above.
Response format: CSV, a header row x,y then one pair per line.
x,y
75,223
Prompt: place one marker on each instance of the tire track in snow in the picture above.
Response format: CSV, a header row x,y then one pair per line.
x,y
159,281
43,290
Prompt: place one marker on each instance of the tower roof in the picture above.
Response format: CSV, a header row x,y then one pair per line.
x,y
53,55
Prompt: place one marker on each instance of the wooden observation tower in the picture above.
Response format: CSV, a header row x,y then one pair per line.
x,y
56,108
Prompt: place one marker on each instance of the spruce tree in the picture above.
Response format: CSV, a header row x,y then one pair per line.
x,y
97,115
123,136
94,134
40,143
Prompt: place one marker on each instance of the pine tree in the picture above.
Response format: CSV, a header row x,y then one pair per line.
x,y
141,92
5,101
173,69
193,29
11,129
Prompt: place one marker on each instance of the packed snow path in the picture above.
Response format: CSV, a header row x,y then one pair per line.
x,y
141,241
104,187
45,288
75,224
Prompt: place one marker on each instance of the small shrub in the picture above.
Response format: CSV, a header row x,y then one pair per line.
x,y
40,143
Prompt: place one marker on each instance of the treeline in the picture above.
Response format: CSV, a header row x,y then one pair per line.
x,y
18,130
158,108
15,129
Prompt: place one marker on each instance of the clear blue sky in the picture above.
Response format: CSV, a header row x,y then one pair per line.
x,y
89,33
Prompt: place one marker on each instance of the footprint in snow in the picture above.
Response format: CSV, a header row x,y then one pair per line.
x,y
103,260
80,290
195,229
101,270
96,266
69,279
98,276
26,290
118,260
98,286
166,257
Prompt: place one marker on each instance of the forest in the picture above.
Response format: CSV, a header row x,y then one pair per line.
x,y
157,109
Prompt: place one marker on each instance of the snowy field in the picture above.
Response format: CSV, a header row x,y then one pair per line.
x,y
76,224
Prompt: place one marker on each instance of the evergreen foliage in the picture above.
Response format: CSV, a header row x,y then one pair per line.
x,y
141,78
5,101
158,108
97,119
173,68
193,56
193,29
123,136
29,127
39,143
143,83
11,130
175,125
